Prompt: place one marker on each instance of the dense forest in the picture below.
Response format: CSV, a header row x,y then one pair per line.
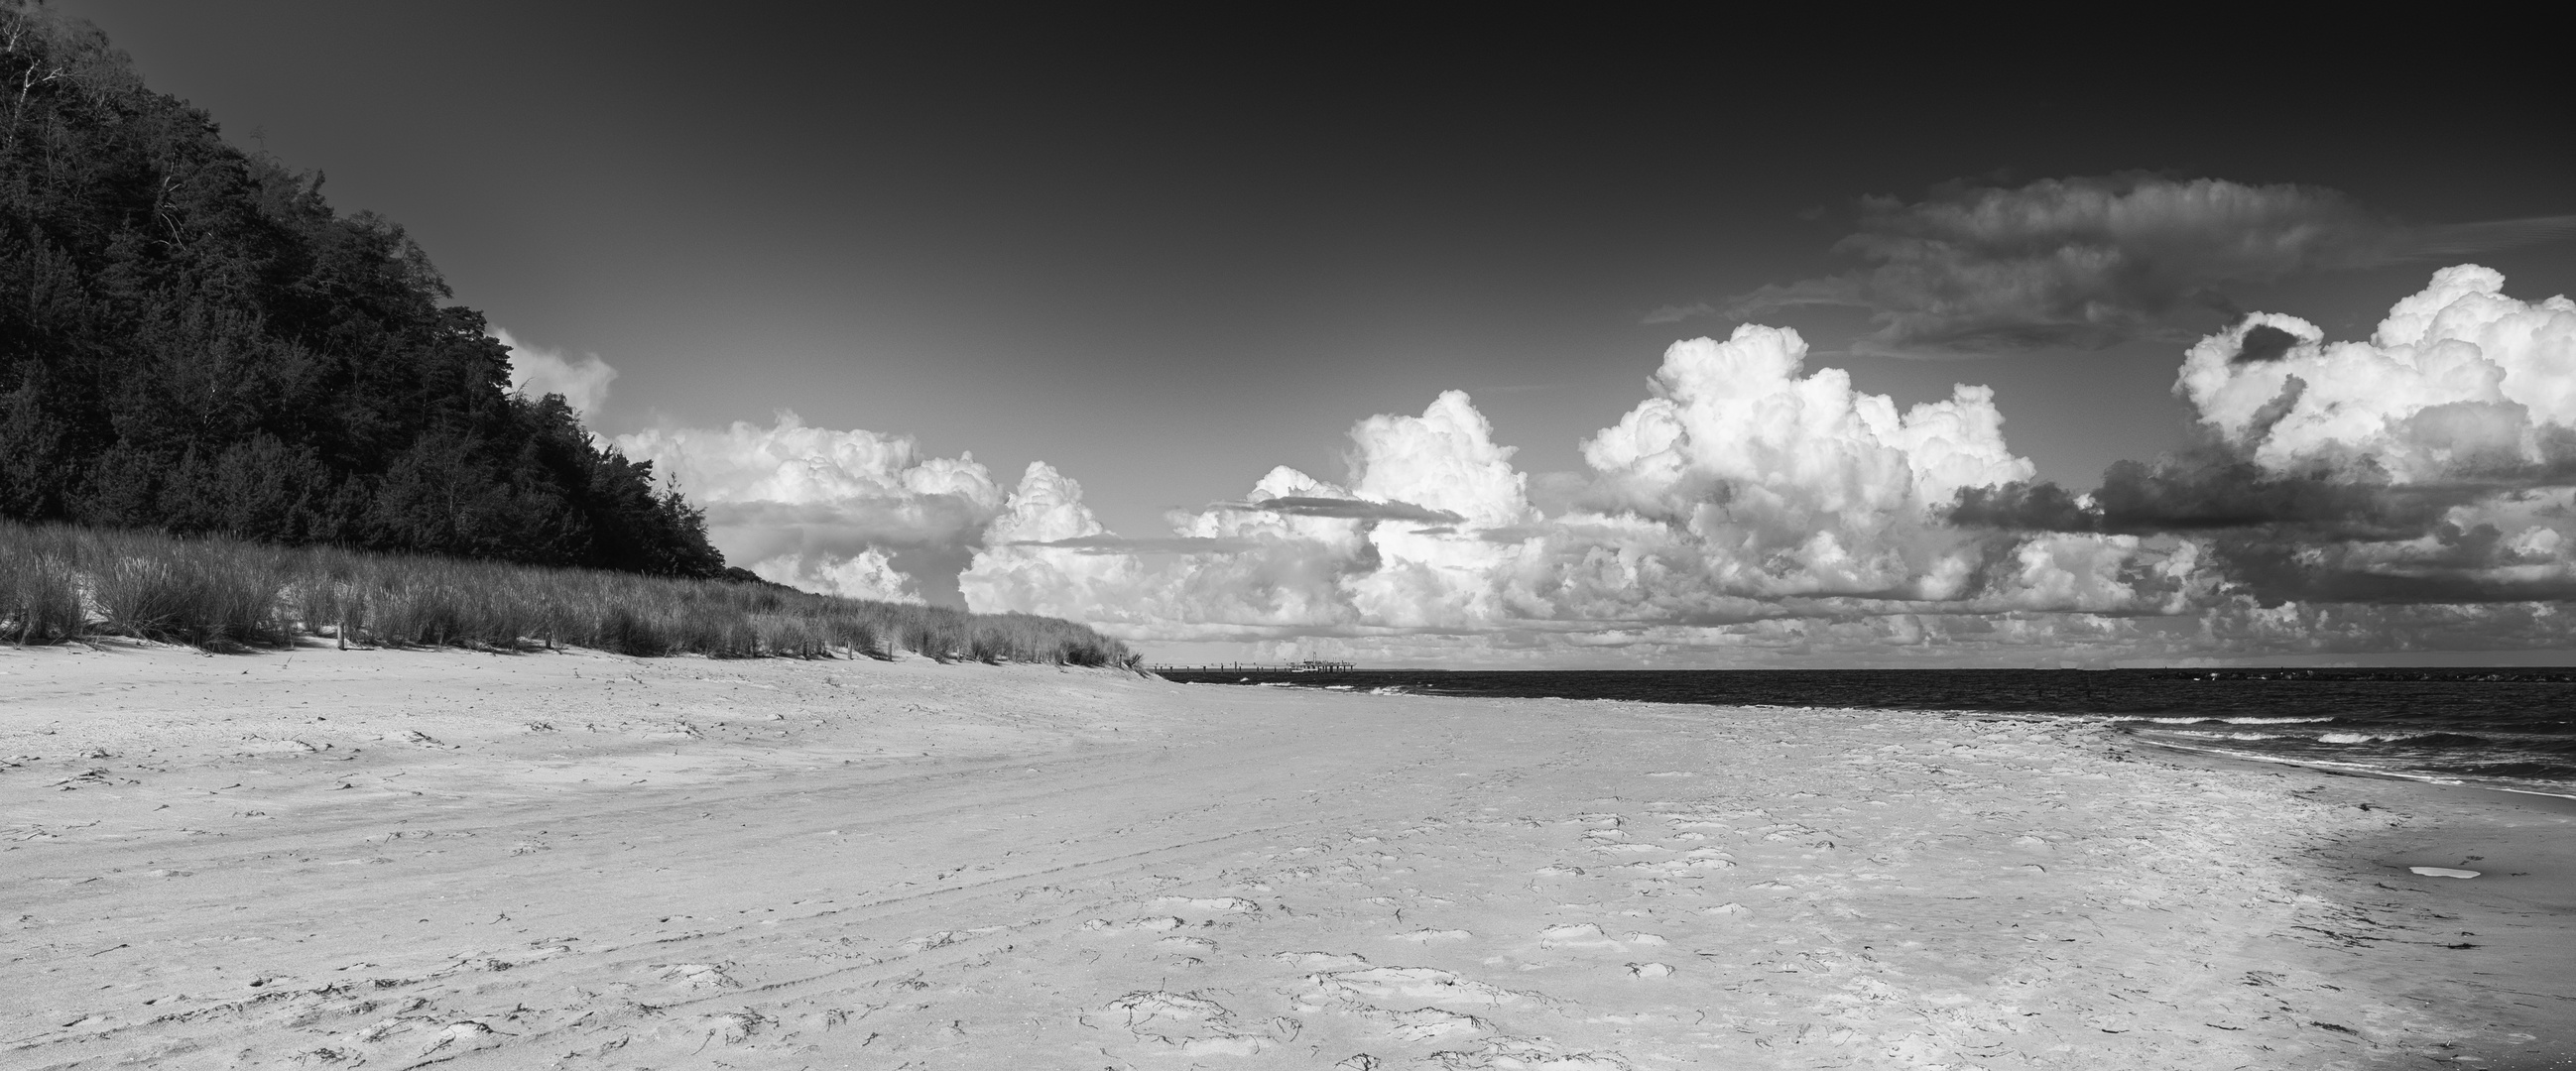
x,y
192,340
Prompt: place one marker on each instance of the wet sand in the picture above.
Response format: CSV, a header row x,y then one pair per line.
x,y
2494,955
395,859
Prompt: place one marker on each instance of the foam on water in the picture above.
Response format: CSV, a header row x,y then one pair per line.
x,y
2230,721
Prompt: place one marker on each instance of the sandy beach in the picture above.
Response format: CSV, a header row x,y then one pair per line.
x,y
393,859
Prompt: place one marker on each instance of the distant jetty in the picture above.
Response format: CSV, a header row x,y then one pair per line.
x,y
1311,665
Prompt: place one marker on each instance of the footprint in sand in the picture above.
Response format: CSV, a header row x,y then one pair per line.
x,y
1578,935
698,976
734,1027
1415,983
1322,961
1186,945
1609,839
944,938
1650,970
1588,935
1349,992
1148,1013
1421,1024
1233,904
1143,1008
1695,859
1505,1052
1225,1045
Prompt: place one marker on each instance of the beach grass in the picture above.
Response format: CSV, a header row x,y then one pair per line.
x,y
61,583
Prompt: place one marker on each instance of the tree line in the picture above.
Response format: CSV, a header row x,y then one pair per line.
x,y
193,340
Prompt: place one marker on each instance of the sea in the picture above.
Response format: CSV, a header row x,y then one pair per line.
x,y
2512,729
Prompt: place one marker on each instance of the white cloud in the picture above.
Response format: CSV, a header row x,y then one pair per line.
x,y
868,575
1744,485
826,510
1745,495
1444,459
2458,415
536,372
1277,576
1735,435
1757,512
2459,382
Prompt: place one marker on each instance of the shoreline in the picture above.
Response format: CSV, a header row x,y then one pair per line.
x,y
2497,950
390,857
2357,770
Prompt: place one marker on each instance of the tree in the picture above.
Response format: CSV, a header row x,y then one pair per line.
x,y
192,339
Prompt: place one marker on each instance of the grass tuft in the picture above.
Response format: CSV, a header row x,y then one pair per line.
x,y
58,583
40,594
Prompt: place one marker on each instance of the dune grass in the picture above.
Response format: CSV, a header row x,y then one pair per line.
x,y
59,583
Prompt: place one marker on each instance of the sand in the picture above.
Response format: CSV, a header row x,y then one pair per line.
x,y
394,859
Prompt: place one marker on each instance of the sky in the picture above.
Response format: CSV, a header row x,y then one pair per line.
x,y
847,275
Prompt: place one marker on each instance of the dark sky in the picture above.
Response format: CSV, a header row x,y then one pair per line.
x,y
1165,255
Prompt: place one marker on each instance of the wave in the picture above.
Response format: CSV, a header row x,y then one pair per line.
x,y
2225,736
2555,772
2365,769
2230,721
2417,739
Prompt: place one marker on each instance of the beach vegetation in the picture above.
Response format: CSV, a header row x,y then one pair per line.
x,y
61,583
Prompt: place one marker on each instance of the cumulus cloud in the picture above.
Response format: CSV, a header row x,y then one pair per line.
x,y
2415,490
2460,382
2093,261
1393,548
1747,488
869,574
1759,512
1746,494
536,372
2434,462
854,513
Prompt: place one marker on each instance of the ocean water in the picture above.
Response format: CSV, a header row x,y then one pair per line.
x,y
2502,728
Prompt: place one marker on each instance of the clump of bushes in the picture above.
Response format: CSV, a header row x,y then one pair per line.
x,y
59,583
